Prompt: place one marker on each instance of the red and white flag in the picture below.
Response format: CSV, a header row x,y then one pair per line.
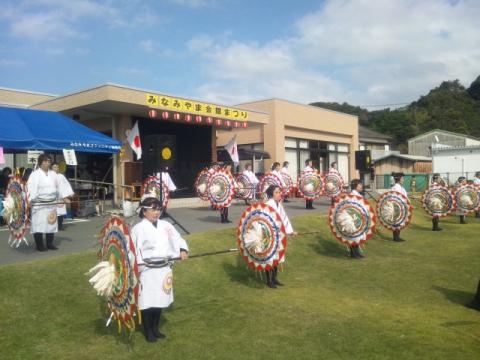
x,y
133,137
231,148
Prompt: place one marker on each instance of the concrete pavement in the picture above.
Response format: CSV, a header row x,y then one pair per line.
x,y
79,235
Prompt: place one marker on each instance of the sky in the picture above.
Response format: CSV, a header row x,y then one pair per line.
x,y
362,52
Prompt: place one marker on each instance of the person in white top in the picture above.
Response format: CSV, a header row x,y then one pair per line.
x,y
224,211
476,182
284,170
214,166
250,175
44,190
333,168
356,187
309,168
167,179
61,207
436,181
398,187
155,239
462,180
274,195
276,171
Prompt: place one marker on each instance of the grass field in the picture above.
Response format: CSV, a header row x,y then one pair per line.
x,y
403,301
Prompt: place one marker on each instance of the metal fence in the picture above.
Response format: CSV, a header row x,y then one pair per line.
x,y
416,182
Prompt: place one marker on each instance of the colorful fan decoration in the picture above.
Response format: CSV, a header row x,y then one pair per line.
x,y
287,180
246,189
333,184
16,211
118,260
267,180
438,201
221,189
352,219
394,210
310,185
467,198
261,237
201,184
152,185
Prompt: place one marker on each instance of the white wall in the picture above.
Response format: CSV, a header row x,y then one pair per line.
x,y
459,162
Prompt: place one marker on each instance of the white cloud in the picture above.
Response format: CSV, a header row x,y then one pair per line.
x,y
11,63
131,71
194,3
360,51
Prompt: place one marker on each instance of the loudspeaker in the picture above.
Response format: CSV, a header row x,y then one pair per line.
x,y
363,160
159,152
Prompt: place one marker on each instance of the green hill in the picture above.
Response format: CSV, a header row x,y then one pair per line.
x,y
449,106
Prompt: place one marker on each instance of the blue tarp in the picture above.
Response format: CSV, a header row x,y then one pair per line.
x,y
22,129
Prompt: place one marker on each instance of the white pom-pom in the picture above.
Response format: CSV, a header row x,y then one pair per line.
x,y
330,186
103,278
346,222
201,188
254,238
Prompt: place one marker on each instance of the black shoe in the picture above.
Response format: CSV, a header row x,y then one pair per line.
x,y
50,245
270,283
39,243
274,278
147,319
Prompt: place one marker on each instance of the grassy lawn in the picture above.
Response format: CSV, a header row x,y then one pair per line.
x,y
403,301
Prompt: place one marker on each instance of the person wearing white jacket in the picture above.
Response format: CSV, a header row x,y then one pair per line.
x,y
44,190
274,194
155,239
398,187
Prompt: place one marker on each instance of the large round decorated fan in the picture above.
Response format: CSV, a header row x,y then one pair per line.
x,y
266,181
152,185
261,237
201,184
467,198
16,211
310,185
352,219
245,188
333,184
119,269
438,201
287,180
394,210
221,189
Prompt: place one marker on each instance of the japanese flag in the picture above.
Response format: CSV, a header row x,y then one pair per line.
x,y
133,137
231,147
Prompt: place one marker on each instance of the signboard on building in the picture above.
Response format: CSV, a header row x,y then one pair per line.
x,y
194,107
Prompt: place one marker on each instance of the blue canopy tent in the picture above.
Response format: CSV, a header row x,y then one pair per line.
x,y
22,129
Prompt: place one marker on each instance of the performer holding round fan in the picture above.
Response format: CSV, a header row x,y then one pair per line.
x,y
155,239
398,187
308,168
476,183
356,187
262,235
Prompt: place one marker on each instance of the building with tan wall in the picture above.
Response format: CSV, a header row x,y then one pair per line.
x,y
288,131
296,132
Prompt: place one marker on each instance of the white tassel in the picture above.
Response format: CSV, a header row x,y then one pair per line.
x,y
466,201
388,211
330,186
254,238
215,189
202,187
9,211
103,278
435,203
346,222
309,187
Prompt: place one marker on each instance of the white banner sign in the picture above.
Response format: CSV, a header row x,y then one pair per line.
x,y
33,155
70,158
